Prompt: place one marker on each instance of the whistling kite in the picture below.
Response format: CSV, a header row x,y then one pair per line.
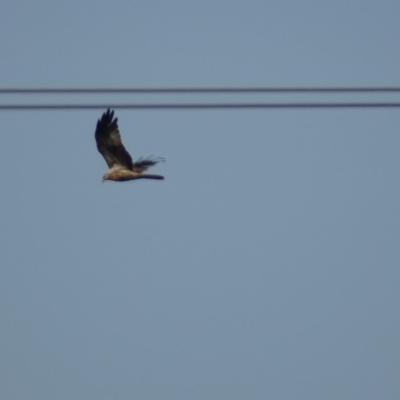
x,y
117,158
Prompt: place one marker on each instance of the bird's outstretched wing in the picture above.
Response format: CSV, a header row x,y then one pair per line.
x,y
109,142
143,164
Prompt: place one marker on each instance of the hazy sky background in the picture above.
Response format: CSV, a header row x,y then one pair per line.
x,y
265,266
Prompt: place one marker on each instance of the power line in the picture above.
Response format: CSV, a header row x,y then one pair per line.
x,y
203,105
199,106
192,90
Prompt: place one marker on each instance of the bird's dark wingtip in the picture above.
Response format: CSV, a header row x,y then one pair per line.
x,y
108,119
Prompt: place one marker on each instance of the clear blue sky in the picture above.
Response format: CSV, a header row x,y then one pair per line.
x,y
265,266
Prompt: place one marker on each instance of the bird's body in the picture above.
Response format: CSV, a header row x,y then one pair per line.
x,y
119,161
122,174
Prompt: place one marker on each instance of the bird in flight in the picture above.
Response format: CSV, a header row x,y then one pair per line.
x,y
120,164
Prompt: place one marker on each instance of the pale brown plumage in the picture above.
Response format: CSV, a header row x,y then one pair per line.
x,y
109,144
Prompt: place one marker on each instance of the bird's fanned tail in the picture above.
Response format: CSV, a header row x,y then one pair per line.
x,y
142,164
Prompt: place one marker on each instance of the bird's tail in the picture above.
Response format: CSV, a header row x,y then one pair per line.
x,y
150,176
143,164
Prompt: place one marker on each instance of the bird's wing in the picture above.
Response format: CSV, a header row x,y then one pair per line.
x,y
109,142
143,164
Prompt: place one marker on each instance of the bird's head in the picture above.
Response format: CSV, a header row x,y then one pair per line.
x,y
105,177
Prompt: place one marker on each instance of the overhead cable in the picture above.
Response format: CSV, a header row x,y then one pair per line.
x,y
199,106
194,90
